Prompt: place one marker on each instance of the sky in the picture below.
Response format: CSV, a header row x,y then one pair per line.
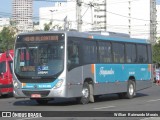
x,y
6,7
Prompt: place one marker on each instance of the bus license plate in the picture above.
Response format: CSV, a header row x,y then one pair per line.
x,y
35,96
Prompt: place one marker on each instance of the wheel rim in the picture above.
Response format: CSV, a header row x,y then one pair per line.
x,y
85,92
131,89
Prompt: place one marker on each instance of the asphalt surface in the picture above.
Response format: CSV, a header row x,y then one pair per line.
x,y
146,101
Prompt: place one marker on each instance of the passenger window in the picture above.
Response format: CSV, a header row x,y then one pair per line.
x,y
90,52
130,53
104,50
118,52
142,58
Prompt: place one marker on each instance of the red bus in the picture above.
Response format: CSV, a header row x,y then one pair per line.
x,y
6,61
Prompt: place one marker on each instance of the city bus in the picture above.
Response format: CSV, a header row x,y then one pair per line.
x,y
80,65
6,63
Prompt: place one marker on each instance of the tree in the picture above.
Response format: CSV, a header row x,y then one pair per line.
x,y
7,38
156,53
47,26
50,26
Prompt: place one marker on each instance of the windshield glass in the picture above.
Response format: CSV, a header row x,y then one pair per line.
x,y
39,59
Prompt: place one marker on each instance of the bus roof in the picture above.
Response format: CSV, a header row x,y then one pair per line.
x,y
110,36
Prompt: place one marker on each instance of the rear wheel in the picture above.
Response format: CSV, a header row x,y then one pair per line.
x,y
131,90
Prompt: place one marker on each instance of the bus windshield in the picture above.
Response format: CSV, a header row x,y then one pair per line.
x,y
39,59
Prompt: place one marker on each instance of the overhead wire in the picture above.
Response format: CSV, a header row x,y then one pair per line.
x,y
93,6
37,17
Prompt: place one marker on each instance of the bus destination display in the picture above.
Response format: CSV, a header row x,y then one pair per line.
x,y
41,38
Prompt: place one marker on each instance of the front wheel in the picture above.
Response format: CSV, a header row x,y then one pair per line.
x,y
131,90
85,94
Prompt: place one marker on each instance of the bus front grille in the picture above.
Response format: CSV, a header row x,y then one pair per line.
x,y
42,93
36,80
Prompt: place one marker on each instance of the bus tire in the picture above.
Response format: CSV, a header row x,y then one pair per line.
x,y
85,93
130,89
91,97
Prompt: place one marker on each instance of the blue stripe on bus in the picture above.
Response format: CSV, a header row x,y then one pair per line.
x,y
40,85
121,72
121,39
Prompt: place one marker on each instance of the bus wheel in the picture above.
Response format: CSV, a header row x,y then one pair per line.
x,y
130,89
41,102
85,93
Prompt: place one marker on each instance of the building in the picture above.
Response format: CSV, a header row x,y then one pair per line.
x,y
4,22
131,17
134,17
53,15
63,16
22,15
100,18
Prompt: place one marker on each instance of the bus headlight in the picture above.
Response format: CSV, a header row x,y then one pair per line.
x,y
59,83
15,84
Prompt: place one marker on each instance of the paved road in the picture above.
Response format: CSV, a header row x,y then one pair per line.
x,y
145,100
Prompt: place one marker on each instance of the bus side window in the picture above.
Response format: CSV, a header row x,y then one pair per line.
x,y
130,53
118,52
142,58
104,51
73,54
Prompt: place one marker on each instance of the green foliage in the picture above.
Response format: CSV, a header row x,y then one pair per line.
x,y
47,26
7,38
156,53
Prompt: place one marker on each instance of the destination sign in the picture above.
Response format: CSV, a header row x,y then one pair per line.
x,y
41,37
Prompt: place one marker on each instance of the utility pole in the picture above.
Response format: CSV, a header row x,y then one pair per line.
x,y
65,23
78,14
51,17
91,4
105,15
153,21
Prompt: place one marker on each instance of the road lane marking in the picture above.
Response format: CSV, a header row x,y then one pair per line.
x,y
104,107
153,100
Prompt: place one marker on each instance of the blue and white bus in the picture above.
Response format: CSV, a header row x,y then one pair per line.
x,y
80,65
